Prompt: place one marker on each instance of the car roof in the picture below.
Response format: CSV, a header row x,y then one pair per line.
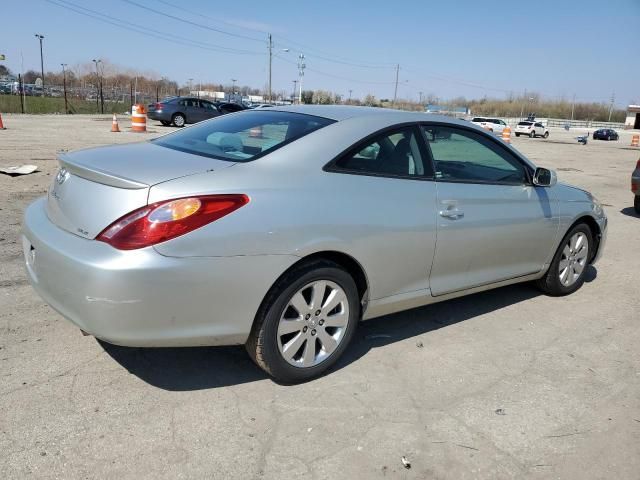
x,y
344,112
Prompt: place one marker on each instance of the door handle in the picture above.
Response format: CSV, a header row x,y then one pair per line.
x,y
453,214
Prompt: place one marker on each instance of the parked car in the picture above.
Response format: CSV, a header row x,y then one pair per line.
x,y
605,134
230,107
531,128
492,124
284,241
635,187
182,110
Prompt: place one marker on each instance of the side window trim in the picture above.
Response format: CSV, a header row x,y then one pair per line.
x,y
494,141
429,174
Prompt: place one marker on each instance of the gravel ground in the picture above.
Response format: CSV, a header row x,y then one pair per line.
x,y
502,384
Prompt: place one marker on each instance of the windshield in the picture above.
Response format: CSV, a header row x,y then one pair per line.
x,y
243,136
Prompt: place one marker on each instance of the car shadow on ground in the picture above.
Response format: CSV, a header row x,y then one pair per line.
x,y
199,368
629,212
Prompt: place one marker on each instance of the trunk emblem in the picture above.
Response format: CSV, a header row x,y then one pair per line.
x,y
62,176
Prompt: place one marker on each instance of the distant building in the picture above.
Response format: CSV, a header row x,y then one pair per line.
x,y
446,110
207,94
633,117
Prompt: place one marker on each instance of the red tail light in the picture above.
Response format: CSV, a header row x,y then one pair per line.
x,y
163,221
159,106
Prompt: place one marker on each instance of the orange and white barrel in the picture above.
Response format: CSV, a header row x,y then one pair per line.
x,y
506,135
138,118
635,141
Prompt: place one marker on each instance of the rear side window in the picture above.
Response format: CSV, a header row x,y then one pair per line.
x,y
243,137
463,156
395,153
479,119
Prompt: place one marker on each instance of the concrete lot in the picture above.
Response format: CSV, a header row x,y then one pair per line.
x,y
503,384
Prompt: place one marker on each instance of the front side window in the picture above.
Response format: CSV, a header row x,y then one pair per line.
x,y
463,156
397,153
242,137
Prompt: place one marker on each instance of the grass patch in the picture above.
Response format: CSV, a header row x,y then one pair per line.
x,y
11,104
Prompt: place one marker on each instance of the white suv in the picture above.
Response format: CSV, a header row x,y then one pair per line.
x,y
492,124
531,128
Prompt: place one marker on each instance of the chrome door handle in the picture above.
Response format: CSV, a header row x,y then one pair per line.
x,y
452,214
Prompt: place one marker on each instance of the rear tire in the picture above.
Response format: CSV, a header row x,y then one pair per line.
x,y
546,134
289,322
608,138
636,204
517,134
178,120
569,265
532,134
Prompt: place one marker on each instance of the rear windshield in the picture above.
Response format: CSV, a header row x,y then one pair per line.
x,y
525,124
243,136
479,119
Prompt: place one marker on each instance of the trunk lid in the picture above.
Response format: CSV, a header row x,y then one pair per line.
x,y
95,187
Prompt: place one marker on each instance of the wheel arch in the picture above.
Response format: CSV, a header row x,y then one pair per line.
x,y
596,231
347,262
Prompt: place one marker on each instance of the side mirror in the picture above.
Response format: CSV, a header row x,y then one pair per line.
x,y
544,177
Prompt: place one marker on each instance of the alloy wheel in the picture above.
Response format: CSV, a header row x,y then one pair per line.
x,y
574,259
313,324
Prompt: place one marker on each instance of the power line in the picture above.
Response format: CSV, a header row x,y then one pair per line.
x,y
189,22
124,24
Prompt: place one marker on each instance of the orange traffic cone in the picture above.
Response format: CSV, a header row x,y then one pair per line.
x,y
506,135
114,124
2,127
635,140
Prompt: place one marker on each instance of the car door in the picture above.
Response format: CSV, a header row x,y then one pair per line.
x,y
384,202
493,224
196,112
209,109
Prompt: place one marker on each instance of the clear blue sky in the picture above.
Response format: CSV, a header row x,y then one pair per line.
x,y
447,48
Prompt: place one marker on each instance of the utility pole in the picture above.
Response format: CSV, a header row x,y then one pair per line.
x,y
350,92
420,101
293,95
64,86
301,67
613,99
270,47
41,37
190,85
573,106
97,82
395,92
233,86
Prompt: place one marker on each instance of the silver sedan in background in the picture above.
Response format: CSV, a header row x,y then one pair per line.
x,y
282,228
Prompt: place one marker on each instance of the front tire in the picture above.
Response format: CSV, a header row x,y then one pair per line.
x,y
569,266
305,322
546,134
532,134
636,204
517,134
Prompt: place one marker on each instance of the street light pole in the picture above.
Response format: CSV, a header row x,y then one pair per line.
x,y
233,86
190,85
270,46
301,67
41,37
64,86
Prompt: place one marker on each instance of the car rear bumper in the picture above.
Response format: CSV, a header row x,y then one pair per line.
x,y
140,297
161,116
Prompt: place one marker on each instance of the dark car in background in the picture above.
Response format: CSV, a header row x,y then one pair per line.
x,y
605,134
179,111
635,187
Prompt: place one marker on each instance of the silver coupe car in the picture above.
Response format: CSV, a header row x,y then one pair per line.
x,y
282,228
